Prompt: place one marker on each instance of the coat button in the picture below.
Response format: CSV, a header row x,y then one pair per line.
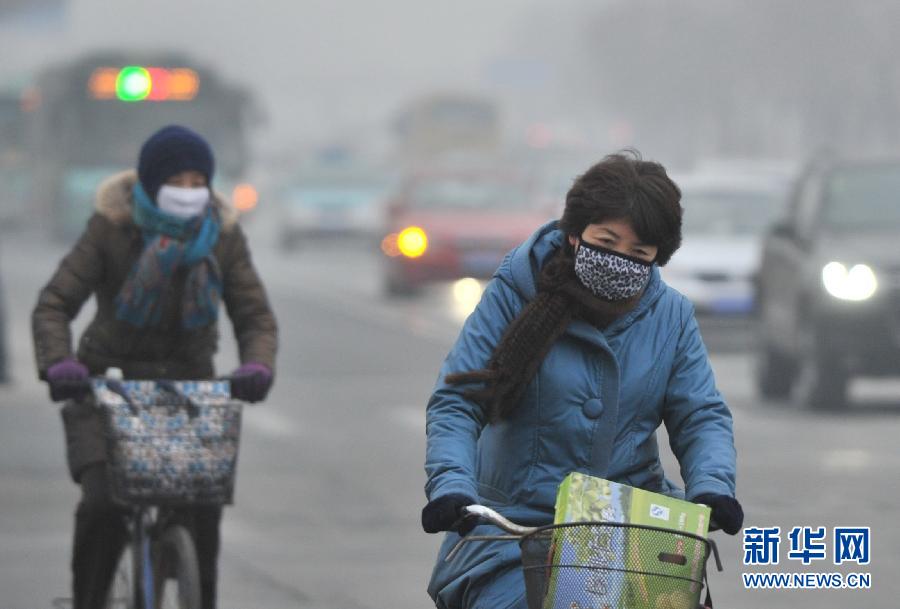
x,y
593,408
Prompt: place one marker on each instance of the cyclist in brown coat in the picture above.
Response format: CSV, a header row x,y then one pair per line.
x,y
159,254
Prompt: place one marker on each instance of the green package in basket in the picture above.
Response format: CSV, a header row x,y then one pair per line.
x,y
625,567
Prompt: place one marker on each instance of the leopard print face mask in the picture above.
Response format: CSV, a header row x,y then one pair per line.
x,y
610,275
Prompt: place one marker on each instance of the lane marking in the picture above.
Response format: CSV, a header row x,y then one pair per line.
x,y
267,422
847,460
412,417
425,317
372,311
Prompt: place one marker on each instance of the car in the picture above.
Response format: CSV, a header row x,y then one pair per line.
x,y
725,218
829,284
552,180
455,224
332,200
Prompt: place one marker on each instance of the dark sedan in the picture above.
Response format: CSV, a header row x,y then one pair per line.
x,y
829,284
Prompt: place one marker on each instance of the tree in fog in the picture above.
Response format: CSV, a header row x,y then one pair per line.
x,y
748,77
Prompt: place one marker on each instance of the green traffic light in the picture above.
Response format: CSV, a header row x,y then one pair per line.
x,y
133,83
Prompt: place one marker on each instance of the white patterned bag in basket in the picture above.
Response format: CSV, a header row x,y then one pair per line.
x,y
170,442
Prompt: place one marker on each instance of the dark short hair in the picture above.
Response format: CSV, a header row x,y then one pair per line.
x,y
624,187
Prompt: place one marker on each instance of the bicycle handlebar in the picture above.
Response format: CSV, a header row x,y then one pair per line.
x,y
114,384
100,377
517,531
512,528
499,520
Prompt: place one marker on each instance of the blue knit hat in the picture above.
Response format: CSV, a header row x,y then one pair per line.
x,y
170,151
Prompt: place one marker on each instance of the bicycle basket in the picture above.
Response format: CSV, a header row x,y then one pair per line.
x,y
170,443
613,566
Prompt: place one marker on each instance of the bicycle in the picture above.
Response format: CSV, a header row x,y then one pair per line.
x,y
158,568
629,565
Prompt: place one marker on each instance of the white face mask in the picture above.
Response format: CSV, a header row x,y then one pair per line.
x,y
182,202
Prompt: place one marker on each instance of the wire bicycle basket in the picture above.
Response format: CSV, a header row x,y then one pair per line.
x,y
607,565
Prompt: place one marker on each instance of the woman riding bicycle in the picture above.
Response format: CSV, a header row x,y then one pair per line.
x,y
159,253
574,356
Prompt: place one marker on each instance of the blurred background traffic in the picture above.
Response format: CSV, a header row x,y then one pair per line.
x,y
385,157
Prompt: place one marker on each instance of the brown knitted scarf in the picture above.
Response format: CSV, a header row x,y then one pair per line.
x,y
560,298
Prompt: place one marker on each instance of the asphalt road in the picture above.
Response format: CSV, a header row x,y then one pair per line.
x,y
330,478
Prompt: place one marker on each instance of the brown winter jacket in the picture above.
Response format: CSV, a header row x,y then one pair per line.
x,y
99,264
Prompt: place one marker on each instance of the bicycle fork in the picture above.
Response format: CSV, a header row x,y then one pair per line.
x,y
144,589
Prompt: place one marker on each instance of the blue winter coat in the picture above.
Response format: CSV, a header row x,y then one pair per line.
x,y
593,407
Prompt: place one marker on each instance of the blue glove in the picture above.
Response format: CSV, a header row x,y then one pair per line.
x,y
445,514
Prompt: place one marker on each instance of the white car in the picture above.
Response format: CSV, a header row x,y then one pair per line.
x,y
725,218
332,201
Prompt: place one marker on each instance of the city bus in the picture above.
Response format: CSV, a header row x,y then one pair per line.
x,y
87,119
13,158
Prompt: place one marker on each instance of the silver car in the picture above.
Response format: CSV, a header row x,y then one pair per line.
x,y
725,216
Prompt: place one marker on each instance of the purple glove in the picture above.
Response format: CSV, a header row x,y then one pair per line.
x,y
251,382
68,379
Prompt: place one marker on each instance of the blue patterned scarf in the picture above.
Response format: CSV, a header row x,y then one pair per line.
x,y
170,243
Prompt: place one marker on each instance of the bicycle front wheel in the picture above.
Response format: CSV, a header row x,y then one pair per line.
x,y
176,572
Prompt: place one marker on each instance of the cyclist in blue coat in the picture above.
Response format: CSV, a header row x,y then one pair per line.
x,y
575,355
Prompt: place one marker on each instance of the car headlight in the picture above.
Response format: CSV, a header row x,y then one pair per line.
x,y
412,241
857,283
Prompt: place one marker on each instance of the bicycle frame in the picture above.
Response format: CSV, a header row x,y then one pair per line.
x,y
143,582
